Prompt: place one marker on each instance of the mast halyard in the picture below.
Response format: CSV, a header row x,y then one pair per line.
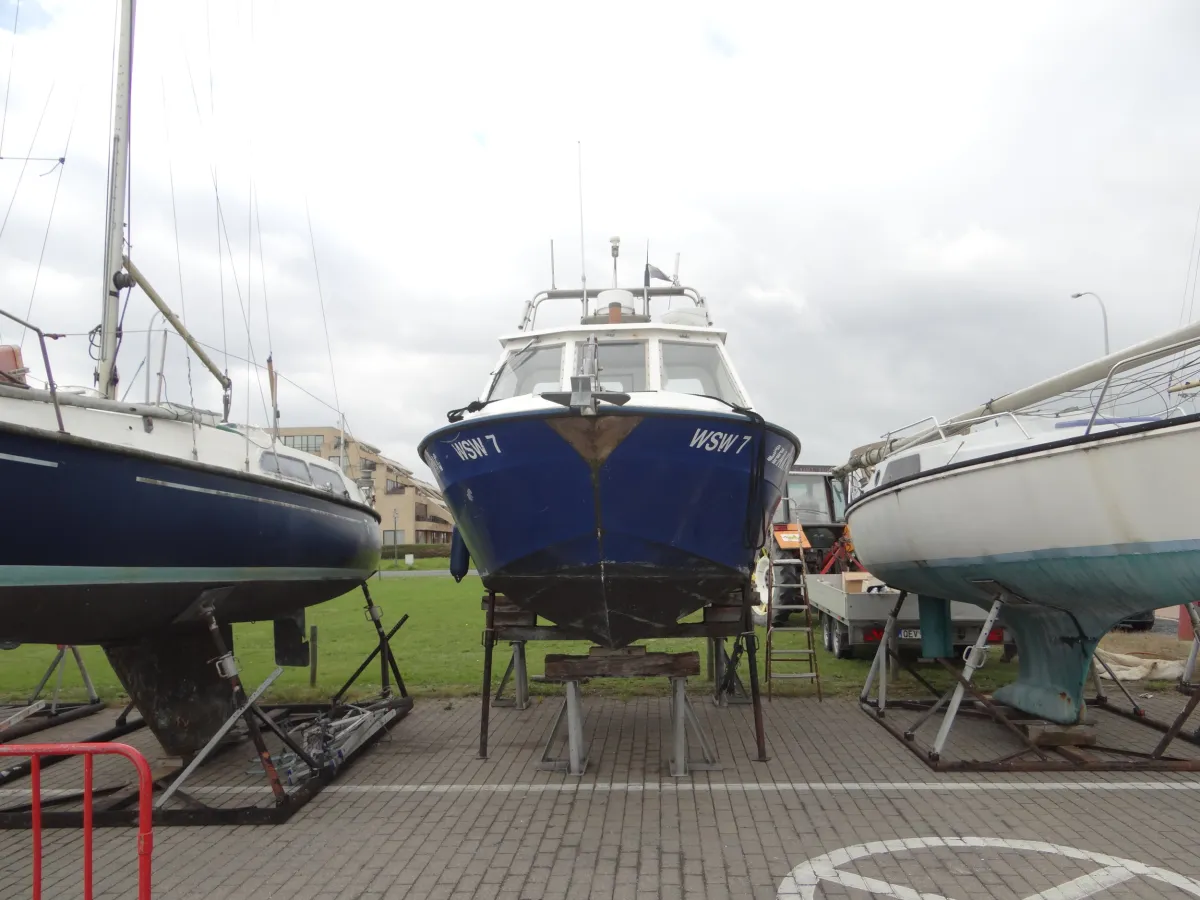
x,y
119,271
114,256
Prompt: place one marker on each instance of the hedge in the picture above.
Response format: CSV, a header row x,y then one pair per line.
x,y
419,551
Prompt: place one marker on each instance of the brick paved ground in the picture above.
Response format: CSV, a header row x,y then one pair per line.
x,y
419,816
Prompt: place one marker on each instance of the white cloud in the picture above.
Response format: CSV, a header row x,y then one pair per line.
x,y
891,203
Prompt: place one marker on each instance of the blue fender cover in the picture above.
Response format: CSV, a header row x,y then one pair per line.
x,y
460,556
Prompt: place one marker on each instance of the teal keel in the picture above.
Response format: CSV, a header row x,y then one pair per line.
x,y
1075,597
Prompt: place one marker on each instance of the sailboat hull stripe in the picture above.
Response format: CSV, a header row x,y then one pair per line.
x,y
45,576
29,461
215,493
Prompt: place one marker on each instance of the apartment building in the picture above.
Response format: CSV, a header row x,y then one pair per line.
x,y
413,510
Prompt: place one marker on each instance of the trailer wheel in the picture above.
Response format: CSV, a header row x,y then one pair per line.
x,y
827,632
840,642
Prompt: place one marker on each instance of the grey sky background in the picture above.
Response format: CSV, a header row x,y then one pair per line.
x,y
887,206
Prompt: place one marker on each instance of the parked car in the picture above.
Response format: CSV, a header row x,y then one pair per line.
x,y
1139,622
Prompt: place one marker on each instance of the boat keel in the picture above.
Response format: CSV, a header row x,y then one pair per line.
x,y
171,678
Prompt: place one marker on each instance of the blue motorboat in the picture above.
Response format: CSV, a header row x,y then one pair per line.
x,y
613,476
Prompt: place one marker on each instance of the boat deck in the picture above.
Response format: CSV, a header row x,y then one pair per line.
x,y
419,816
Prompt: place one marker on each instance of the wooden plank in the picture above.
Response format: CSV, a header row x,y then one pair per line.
x,y
557,633
560,666
503,604
713,614
515,619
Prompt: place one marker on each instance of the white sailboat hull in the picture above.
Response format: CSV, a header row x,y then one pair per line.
x,y
1090,531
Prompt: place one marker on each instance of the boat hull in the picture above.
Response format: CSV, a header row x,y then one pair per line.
x,y
1088,534
614,526
104,544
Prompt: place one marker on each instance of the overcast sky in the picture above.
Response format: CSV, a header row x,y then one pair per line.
x,y
887,205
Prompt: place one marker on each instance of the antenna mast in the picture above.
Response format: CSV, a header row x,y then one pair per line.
x,y
582,262
114,257
616,251
553,286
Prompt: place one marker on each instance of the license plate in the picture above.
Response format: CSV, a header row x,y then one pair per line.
x,y
910,633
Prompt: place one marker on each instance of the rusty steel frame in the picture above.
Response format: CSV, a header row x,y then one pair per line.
x,y
275,717
1067,759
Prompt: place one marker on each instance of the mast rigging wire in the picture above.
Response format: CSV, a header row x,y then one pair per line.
x,y
12,57
324,320
212,114
46,237
178,267
25,165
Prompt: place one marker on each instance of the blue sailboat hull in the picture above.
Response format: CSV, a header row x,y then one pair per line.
x,y
103,544
614,526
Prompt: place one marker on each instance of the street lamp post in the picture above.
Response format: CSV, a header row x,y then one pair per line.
x,y
1103,313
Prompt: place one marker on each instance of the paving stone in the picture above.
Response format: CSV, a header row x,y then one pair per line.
x,y
418,816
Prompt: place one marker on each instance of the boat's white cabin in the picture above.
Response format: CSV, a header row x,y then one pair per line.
x,y
989,436
673,359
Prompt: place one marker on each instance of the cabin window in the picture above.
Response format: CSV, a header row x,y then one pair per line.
x,y
807,500
621,364
902,468
697,369
533,370
286,467
325,478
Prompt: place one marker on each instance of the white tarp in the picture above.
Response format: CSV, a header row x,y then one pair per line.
x,y
1138,668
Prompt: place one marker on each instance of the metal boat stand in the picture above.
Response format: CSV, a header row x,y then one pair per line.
x,y
629,662
37,715
518,671
722,667
1187,686
1060,750
508,622
318,741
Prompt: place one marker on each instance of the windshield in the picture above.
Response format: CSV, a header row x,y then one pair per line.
x,y
839,499
697,369
807,500
532,371
622,364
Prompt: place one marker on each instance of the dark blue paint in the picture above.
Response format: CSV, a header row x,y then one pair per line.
x,y
91,511
657,508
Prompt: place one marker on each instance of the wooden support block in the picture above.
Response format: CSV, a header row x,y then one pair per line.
x,y
558,633
515,619
715,614
503,604
670,665
539,633
635,650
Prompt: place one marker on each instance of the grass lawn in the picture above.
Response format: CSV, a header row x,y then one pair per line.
x,y
439,650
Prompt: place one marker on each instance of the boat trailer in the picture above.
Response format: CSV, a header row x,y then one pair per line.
x,y
565,749
317,742
1045,746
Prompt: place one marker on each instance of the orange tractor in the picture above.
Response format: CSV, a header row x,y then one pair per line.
x,y
809,524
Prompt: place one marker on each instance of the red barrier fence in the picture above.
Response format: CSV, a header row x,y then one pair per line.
x,y
89,751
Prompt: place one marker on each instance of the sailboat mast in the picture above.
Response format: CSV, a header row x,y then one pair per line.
x,y
114,277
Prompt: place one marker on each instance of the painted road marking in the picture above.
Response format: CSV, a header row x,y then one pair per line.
x,y
813,787
804,880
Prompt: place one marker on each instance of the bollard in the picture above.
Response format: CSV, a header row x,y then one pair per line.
x,y
312,656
